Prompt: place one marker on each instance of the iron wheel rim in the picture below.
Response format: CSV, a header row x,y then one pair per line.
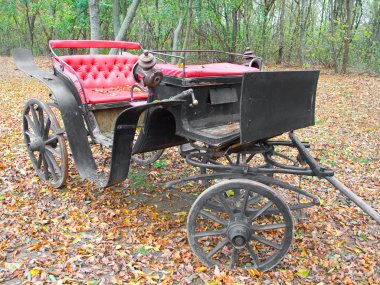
x,y
45,142
246,230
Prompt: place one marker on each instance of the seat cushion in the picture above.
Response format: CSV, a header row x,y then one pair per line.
x,y
109,95
206,70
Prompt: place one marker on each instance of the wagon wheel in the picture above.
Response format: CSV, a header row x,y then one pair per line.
x,y
145,158
45,142
240,222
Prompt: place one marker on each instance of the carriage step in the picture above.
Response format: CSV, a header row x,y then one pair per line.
x,y
222,130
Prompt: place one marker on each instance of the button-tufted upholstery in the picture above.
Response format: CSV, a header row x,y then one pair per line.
x,y
105,78
108,78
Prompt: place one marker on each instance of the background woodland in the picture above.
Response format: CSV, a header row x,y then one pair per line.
x,y
336,34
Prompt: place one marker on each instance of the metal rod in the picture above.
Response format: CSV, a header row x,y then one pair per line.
x,y
355,198
198,51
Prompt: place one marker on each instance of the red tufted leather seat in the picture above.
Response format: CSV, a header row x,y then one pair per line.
x,y
105,78
108,78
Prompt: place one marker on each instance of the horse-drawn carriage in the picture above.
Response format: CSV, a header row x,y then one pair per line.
x,y
229,114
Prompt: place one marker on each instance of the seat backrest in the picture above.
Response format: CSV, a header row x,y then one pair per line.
x,y
103,71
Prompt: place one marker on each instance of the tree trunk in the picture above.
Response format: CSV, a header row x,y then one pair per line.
x,y
302,25
281,34
93,7
31,21
127,21
348,35
176,37
268,4
264,35
234,32
332,31
188,26
115,17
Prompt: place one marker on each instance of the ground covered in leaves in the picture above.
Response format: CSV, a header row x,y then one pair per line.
x,y
135,233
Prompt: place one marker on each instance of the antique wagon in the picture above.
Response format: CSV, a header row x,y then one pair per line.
x,y
228,113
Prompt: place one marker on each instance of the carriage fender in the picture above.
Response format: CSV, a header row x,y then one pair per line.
x,y
72,114
124,132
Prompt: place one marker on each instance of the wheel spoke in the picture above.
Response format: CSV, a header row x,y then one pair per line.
x,y
32,125
268,227
226,206
266,242
244,204
210,233
213,217
56,167
53,151
47,128
51,167
236,196
46,167
262,210
234,254
39,162
253,255
42,121
253,199
215,207
51,139
35,119
218,247
30,134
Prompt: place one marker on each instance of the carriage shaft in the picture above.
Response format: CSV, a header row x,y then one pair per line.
x,y
355,198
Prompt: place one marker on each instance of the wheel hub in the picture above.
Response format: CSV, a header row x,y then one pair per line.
x,y
37,144
239,234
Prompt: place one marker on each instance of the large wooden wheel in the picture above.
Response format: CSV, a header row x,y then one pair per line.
x,y
240,222
45,142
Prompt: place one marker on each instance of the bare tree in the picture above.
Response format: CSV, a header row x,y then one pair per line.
x,y
115,17
267,7
302,25
353,13
126,23
31,20
177,31
281,33
188,26
93,7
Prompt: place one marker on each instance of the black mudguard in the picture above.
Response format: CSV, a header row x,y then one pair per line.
x,y
70,111
124,133
159,131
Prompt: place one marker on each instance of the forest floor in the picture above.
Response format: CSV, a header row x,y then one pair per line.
x,y
135,233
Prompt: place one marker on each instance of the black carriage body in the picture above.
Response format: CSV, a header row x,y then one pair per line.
x,y
244,109
231,115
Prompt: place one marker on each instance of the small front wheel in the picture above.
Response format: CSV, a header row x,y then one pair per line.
x,y
45,142
240,222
